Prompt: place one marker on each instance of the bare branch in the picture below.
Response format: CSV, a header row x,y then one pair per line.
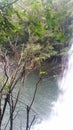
x,y
31,122
29,107
17,98
35,92
4,108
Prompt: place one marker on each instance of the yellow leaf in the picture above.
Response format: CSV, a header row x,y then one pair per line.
x,y
43,73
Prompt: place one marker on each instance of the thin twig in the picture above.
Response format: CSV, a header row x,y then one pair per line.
x,y
17,98
32,122
35,92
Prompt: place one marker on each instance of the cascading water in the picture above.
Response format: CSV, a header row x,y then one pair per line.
x,y
62,116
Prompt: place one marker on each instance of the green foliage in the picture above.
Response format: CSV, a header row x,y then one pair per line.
x,y
39,26
6,25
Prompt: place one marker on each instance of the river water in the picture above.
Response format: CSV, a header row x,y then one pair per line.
x,y
47,93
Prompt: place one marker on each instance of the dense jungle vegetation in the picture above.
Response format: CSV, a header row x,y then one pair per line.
x,y
42,27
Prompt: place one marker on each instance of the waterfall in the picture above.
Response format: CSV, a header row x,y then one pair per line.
x,y
62,115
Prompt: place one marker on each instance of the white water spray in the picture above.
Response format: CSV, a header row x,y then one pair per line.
x,y
62,116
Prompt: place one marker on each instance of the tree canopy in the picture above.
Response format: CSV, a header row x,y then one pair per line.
x,y
35,24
